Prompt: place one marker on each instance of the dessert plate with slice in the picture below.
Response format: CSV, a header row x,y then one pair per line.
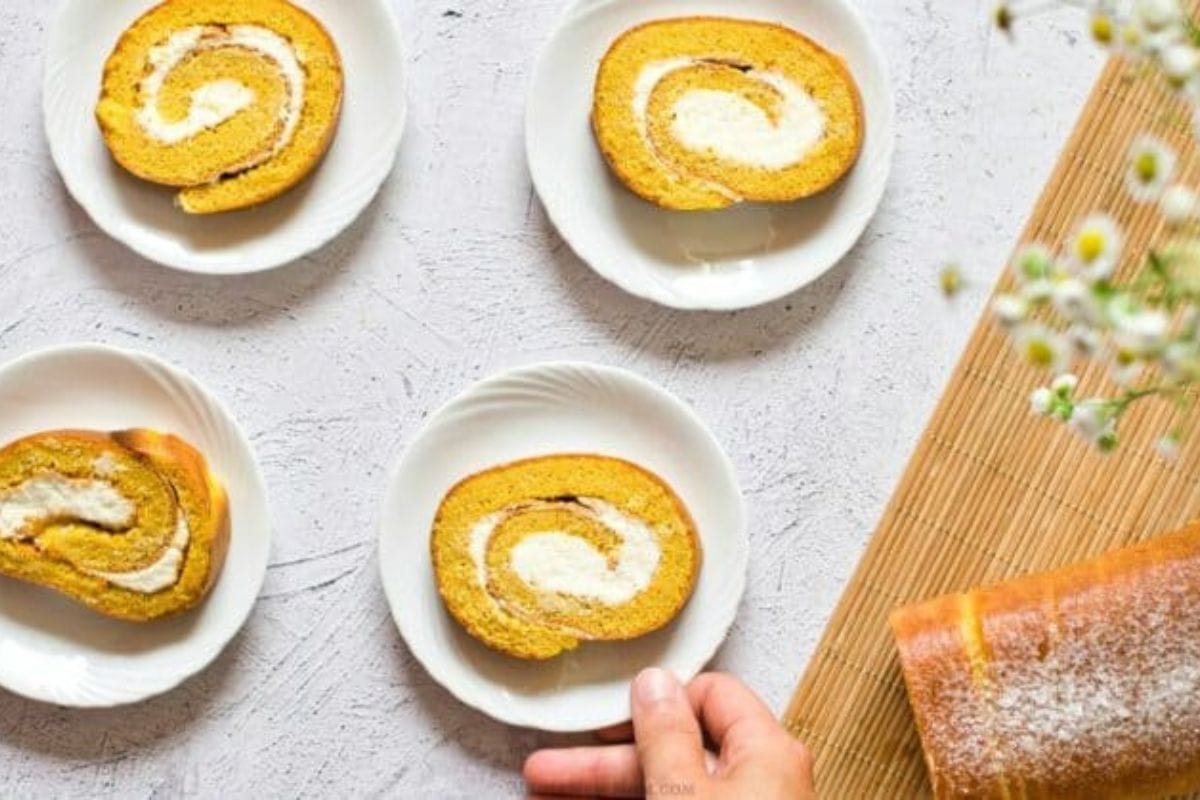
x,y
554,530
224,136
709,159
134,533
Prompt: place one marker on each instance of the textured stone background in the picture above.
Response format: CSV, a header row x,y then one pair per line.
x,y
452,274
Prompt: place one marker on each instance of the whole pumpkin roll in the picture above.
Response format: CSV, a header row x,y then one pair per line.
x,y
1078,683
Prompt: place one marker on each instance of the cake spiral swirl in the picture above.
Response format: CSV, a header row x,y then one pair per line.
x,y
536,556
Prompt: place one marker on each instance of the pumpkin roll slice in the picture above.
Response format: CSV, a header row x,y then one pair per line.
x,y
232,101
534,557
703,112
130,524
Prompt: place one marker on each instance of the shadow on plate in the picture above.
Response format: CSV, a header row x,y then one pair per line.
x,y
49,615
153,207
592,662
691,239
642,325
220,300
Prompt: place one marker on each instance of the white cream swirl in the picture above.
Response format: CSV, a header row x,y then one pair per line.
x,y
730,125
163,573
220,100
562,563
50,496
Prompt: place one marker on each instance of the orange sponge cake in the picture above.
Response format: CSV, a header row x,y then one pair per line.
x,y
535,556
703,112
131,524
233,101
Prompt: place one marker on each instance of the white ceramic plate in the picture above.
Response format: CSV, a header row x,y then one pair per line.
x,y
738,257
541,410
143,215
55,650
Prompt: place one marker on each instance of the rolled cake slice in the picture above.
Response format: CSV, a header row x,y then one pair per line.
x,y
535,556
702,112
233,101
131,524
1078,683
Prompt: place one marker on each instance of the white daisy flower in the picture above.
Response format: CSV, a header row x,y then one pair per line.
x,y
1157,15
1095,421
1142,333
1096,247
1149,168
1010,309
1041,401
1140,40
1181,361
1033,262
1042,347
1178,205
1168,446
1179,62
1074,300
1037,292
1155,43
1085,339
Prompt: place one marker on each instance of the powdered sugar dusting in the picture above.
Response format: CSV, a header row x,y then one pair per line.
x,y
1107,686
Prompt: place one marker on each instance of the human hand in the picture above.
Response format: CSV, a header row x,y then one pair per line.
x,y
756,756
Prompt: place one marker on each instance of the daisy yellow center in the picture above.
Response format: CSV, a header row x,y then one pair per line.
x,y
1145,166
1039,353
1090,245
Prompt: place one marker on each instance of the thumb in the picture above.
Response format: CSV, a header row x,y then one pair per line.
x,y
669,743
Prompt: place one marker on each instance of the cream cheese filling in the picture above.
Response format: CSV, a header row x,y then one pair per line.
x,y
218,101
162,574
738,130
554,561
51,496
730,125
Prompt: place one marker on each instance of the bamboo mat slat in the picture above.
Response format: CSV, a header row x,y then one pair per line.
x,y
992,491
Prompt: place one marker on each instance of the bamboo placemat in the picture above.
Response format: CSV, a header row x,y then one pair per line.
x,y
991,490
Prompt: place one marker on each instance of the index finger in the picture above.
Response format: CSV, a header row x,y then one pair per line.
x,y
725,704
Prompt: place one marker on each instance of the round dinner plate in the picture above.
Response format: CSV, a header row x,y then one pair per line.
x,y
734,258
144,216
541,410
56,650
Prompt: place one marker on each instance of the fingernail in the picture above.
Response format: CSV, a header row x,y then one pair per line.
x,y
654,685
